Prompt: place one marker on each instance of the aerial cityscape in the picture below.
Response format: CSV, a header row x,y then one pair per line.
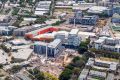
x,y
59,39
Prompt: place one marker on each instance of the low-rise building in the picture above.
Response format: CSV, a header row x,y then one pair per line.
x,y
42,7
84,74
97,9
110,44
86,20
82,6
115,18
26,29
7,30
22,54
5,20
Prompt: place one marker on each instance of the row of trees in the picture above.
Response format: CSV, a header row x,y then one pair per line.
x,y
41,19
15,69
104,53
72,71
58,23
36,74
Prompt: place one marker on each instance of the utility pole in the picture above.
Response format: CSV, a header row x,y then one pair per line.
x,y
74,22
46,51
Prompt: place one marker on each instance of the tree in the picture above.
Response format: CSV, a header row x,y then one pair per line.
x,y
30,2
7,78
78,63
22,3
3,2
70,67
40,76
76,59
76,71
41,20
49,76
65,75
13,1
1,66
37,74
83,46
15,69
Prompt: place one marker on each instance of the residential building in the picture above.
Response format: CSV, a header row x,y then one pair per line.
x,y
26,29
109,44
115,18
7,30
116,9
5,20
84,74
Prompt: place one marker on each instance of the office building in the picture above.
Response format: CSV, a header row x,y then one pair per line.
x,y
86,20
73,38
52,49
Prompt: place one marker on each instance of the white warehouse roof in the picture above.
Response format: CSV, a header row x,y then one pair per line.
x,y
74,31
97,9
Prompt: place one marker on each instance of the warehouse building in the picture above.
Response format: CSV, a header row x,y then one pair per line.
x,y
97,9
42,7
104,11
82,6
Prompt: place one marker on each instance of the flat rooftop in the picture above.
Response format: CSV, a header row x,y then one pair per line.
x,y
23,54
74,31
2,57
55,43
